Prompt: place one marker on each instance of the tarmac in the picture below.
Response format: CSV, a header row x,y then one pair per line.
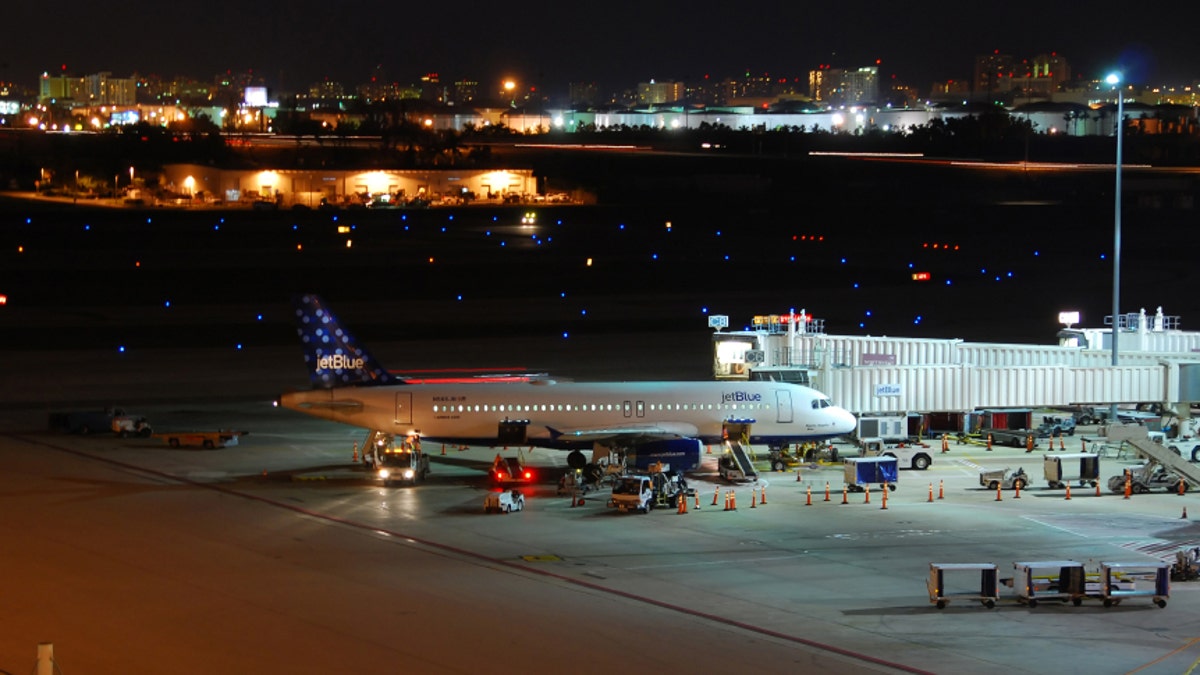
x,y
284,554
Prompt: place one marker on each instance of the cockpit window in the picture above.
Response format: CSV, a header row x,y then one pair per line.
x,y
819,403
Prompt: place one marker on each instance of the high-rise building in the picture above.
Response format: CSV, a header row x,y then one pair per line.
x,y
465,91
583,93
652,93
993,74
837,87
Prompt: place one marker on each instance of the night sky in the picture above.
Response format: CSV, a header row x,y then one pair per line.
x,y
615,43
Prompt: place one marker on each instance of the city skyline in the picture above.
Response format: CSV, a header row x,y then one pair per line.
x,y
617,46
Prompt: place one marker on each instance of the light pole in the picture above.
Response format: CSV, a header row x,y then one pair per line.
x,y
1114,79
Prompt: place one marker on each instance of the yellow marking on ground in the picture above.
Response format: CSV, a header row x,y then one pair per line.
x,y
541,558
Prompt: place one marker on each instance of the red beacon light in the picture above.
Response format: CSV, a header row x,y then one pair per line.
x,y
920,276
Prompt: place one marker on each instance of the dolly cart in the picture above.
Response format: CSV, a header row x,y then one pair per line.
x,y
860,471
1061,580
989,585
1114,578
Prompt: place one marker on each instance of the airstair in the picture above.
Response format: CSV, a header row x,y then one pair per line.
x,y
741,459
1165,456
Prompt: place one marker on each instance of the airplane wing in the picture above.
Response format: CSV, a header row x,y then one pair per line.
x,y
645,431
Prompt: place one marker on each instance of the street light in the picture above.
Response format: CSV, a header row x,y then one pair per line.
x,y
1114,79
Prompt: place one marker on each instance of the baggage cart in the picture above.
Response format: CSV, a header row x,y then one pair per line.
x,y
1118,580
988,588
1060,580
861,471
1062,469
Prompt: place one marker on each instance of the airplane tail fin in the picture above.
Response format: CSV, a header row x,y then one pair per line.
x,y
333,357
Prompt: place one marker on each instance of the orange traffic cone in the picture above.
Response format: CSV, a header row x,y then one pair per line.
x,y
716,491
998,497
866,494
931,492
708,450
1182,487
797,475
826,490
941,489
733,500
1097,488
808,496
355,458
845,492
1017,487
762,495
697,494
682,504
728,501
1068,490
753,498
885,491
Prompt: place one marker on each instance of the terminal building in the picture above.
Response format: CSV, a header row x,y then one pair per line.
x,y
868,375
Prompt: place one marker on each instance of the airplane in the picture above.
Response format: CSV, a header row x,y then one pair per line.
x,y
646,419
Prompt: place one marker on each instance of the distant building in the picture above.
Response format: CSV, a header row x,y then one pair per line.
x,y
91,90
465,91
583,94
652,93
838,87
993,75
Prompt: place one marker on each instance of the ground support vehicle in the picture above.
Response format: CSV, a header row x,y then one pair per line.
x,y
131,425
1145,478
1053,426
1188,448
633,493
86,421
644,492
1016,438
505,501
859,472
1003,478
1187,564
201,439
1062,580
915,455
987,592
1062,469
1118,581
406,464
511,469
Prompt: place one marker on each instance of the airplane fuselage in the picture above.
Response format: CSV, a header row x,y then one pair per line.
x,y
571,415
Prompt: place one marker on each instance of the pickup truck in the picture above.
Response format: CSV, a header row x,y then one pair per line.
x,y
915,455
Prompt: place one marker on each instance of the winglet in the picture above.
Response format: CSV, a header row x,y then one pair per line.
x,y
333,357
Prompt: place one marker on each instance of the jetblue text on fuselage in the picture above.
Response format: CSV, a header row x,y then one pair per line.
x,y
740,397
339,362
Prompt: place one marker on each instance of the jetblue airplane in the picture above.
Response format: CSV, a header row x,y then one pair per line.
x,y
662,419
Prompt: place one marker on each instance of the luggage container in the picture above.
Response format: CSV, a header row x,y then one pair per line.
x,y
1060,580
861,471
1118,580
988,588
1062,469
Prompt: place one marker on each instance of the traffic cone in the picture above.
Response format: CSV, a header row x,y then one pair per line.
x,y
989,443
998,497
1182,487
867,494
1061,444
1097,488
1128,485
1184,516
945,443
845,493
931,492
797,475
1068,490
727,500
716,491
697,494
573,500
682,504
355,458
762,495
443,448
1017,487
808,496
941,489
885,491
826,490
708,449
733,500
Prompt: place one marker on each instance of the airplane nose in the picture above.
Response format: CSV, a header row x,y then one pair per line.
x,y
846,422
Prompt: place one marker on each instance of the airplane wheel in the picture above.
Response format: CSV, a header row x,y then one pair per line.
x,y
989,603
941,604
1160,602
1077,601
1032,603
1108,602
173,442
